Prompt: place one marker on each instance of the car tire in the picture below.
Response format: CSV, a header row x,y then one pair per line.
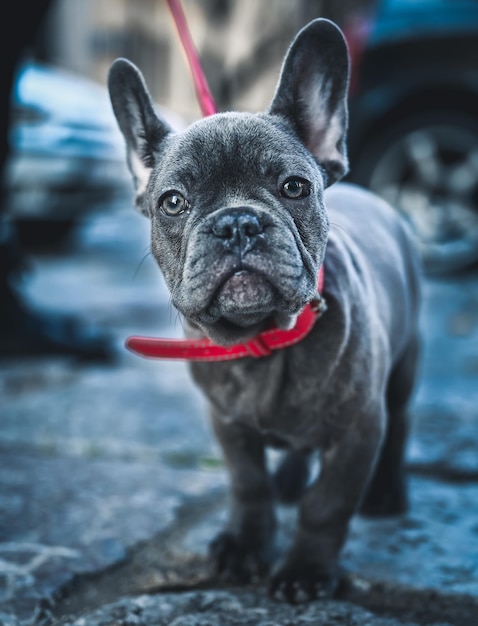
x,y
427,167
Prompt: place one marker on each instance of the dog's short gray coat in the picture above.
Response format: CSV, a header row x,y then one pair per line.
x,y
241,223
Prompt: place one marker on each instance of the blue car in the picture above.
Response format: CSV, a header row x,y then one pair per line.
x,y
67,155
414,123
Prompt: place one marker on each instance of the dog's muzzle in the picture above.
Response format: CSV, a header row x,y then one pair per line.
x,y
239,230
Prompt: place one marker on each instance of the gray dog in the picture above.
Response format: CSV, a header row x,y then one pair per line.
x,y
241,224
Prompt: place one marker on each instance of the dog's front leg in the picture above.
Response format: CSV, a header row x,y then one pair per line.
x,y
244,549
310,568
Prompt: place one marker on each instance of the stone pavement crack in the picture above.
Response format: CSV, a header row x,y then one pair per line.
x,y
159,566
150,566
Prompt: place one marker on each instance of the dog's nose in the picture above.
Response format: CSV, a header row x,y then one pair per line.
x,y
238,229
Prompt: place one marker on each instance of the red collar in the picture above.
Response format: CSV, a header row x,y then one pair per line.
x,y
206,350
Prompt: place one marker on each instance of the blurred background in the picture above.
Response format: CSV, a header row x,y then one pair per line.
x,y
84,442
413,100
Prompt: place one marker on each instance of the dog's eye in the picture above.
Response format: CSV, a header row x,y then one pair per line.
x,y
295,188
173,203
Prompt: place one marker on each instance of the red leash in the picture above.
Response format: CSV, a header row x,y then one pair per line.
x,y
205,349
203,94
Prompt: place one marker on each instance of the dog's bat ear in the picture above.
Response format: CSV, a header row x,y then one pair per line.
x,y
312,94
143,130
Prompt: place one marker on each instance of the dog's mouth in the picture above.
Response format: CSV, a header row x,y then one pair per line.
x,y
244,298
245,303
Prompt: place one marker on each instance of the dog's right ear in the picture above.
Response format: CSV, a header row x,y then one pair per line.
x,y
142,129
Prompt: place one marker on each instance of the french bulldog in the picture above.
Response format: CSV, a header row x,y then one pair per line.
x,y
243,215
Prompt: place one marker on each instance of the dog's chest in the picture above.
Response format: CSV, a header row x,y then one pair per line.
x,y
263,395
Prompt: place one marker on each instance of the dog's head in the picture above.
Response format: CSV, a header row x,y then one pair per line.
x,y
239,227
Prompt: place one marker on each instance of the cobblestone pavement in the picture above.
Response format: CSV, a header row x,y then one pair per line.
x,y
111,484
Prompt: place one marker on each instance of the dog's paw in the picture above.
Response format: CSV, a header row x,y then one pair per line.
x,y
236,560
301,583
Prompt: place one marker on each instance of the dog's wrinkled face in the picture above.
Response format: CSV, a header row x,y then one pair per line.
x,y
239,228
238,225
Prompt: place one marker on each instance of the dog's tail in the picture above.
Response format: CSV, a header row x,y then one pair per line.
x,y
291,477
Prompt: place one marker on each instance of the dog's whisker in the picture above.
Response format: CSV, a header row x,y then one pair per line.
x,y
140,264
175,315
339,226
179,318
171,309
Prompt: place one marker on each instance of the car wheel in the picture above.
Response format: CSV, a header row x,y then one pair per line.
x,y
427,168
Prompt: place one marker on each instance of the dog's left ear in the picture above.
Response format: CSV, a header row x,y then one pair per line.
x,y
312,94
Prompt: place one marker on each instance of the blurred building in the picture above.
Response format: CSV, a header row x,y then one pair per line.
x,y
242,45
85,36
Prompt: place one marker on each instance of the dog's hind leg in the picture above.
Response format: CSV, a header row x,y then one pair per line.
x,y
386,493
